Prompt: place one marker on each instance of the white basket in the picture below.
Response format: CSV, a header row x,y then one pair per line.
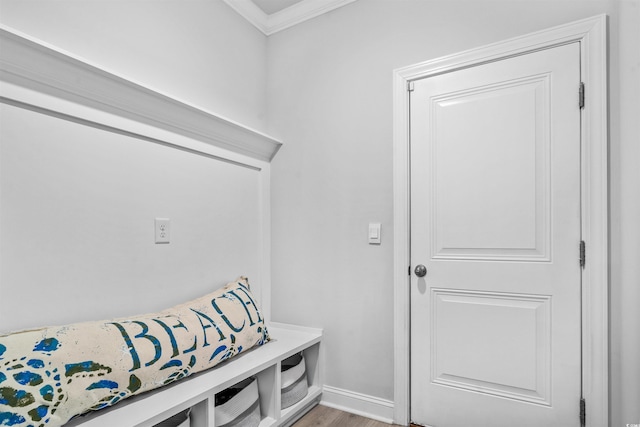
x,y
181,419
239,405
294,385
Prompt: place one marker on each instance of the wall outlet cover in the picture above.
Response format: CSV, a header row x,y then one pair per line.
x,y
163,228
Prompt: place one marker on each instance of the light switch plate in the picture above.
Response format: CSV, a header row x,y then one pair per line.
x,y
374,233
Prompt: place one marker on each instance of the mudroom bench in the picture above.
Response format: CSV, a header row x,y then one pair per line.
x,y
198,391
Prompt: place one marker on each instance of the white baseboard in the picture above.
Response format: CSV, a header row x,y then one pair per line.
x,y
357,403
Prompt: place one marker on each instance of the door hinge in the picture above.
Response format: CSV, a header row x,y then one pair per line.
x,y
410,86
583,253
409,270
583,413
581,95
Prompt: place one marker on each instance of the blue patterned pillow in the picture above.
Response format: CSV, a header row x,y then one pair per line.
x,y
50,375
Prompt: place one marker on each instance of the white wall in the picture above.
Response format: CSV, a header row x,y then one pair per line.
x,y
77,210
199,51
625,214
330,98
77,203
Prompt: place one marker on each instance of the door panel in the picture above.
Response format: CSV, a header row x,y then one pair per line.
x,y
509,204
509,339
495,218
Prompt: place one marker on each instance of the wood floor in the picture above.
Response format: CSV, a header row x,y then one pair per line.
x,y
321,416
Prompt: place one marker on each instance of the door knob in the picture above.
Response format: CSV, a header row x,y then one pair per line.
x,y
420,270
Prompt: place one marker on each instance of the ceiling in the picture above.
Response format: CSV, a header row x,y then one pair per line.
x,y
271,16
272,6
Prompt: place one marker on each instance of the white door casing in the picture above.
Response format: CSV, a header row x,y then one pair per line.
x,y
591,36
495,218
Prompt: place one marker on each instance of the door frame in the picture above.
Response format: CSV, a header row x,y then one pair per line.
x,y
591,33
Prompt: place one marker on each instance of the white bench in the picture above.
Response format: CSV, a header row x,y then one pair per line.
x,y
198,391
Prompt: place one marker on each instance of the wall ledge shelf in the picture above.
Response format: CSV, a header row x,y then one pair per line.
x,y
42,77
198,391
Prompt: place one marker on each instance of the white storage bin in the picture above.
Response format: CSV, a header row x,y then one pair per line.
x,y
181,419
239,405
294,386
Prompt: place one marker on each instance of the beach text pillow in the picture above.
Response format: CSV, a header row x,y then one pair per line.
x,y
50,375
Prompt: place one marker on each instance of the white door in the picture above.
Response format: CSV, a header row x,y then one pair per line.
x,y
495,219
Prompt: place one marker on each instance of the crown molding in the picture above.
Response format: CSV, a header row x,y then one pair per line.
x,y
252,13
292,15
37,75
